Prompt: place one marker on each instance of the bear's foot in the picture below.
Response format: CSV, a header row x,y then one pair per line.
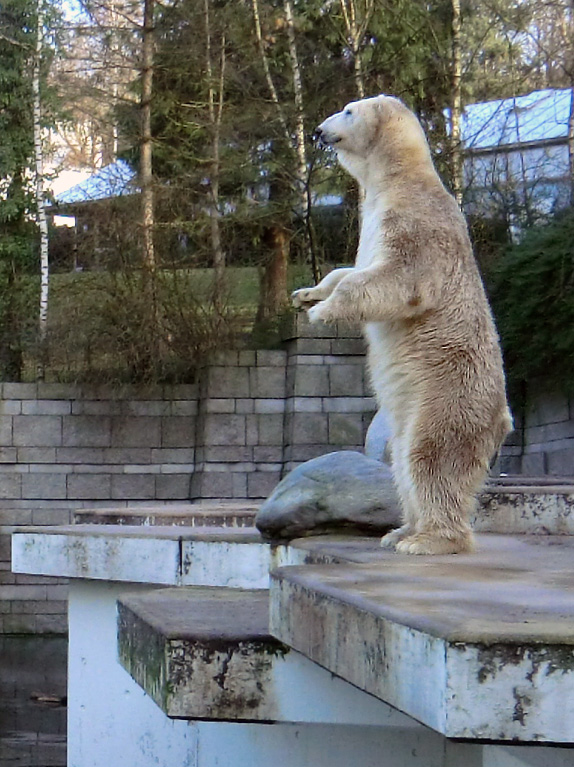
x,y
390,540
424,543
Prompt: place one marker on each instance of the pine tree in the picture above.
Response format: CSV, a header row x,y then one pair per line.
x,y
17,234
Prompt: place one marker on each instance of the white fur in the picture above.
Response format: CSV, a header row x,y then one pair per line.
x,y
434,357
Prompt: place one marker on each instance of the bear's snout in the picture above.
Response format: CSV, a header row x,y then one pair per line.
x,y
325,138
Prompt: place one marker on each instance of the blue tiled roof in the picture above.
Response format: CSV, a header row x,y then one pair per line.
x,y
114,180
538,116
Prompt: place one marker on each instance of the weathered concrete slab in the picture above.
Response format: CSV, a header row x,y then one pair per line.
x,y
217,514
110,714
73,553
235,557
491,634
518,505
205,653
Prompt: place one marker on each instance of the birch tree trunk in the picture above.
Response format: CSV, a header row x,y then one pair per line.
x,y
41,216
273,275
267,71
456,106
146,173
215,105
571,144
302,179
356,30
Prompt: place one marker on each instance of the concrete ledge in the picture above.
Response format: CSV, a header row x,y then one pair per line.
x,y
234,557
509,505
204,653
490,634
515,505
201,653
218,514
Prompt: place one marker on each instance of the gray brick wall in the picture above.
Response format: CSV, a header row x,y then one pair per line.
x,y
252,417
544,441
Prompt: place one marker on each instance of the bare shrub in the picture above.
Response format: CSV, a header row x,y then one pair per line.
x,y
135,327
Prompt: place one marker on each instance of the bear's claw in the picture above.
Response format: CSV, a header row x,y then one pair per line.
x,y
303,298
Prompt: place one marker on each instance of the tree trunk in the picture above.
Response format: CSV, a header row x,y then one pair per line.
x,y
149,355
215,117
40,194
571,145
146,171
302,180
273,277
456,106
267,71
355,34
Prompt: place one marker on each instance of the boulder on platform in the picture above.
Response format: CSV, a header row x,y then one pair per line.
x,y
377,441
338,490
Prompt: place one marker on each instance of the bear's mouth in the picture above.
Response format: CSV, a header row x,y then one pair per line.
x,y
326,140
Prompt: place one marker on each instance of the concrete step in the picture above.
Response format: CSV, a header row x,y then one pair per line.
x,y
206,653
511,504
476,646
240,513
526,505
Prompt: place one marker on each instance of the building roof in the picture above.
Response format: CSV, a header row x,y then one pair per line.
x,y
538,116
114,180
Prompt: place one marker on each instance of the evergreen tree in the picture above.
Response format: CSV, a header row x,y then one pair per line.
x,y
17,234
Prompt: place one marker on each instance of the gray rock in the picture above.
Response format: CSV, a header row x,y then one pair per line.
x,y
378,436
339,490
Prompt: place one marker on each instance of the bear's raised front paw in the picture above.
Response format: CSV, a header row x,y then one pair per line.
x,y
304,298
422,543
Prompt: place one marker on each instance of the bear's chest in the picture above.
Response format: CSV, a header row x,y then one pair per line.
x,y
371,242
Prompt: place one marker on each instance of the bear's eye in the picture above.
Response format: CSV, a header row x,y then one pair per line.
x,y
348,113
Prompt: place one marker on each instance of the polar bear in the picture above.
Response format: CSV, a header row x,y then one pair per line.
x,y
433,352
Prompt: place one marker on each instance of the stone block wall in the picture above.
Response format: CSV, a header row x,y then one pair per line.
x,y
252,417
547,435
262,413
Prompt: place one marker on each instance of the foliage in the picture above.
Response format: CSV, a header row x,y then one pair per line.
x,y
230,186
17,239
18,235
405,52
533,300
124,330
101,327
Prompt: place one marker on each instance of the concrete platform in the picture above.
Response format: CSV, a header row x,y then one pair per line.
x,y
490,634
171,556
207,654
476,647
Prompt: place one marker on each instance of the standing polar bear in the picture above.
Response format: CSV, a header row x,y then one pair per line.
x,y
434,356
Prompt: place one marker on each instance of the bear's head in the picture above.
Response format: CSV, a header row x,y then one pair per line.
x,y
375,136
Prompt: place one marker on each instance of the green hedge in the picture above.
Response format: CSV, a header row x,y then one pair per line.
x,y
532,290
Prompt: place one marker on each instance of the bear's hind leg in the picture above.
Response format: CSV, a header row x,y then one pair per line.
x,y
406,494
445,478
